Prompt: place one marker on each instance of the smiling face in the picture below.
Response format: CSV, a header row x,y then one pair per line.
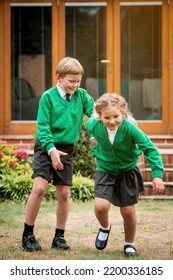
x,y
111,117
70,83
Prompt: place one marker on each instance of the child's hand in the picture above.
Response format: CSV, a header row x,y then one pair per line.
x,y
56,161
158,186
93,141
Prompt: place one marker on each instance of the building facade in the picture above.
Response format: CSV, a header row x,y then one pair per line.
x,y
124,47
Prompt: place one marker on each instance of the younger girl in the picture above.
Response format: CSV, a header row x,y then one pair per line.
x,y
119,143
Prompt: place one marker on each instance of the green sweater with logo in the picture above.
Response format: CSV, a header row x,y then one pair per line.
x,y
129,143
59,121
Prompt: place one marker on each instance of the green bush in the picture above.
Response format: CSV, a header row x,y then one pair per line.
x,y
84,161
15,187
82,189
15,173
16,182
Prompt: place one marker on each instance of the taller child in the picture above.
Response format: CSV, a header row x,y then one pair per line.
x,y
59,122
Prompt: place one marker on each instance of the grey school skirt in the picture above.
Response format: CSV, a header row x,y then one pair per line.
x,y
121,190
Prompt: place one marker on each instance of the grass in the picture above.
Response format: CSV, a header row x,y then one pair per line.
x,y
154,236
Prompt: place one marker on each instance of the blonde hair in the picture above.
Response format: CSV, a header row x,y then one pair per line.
x,y
116,101
69,65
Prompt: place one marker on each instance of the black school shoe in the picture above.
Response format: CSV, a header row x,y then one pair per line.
x,y
130,254
100,244
60,243
30,244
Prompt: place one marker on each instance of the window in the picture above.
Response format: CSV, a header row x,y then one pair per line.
x,y
30,58
141,77
86,40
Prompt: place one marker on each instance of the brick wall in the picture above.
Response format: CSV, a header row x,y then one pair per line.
x,y
20,141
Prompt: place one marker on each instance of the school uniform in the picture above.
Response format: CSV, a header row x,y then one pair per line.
x,y
118,178
59,123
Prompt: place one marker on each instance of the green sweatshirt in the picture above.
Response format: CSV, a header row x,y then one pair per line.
x,y
59,121
128,144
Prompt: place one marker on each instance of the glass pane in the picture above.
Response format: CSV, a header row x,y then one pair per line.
x,y
141,82
30,59
86,41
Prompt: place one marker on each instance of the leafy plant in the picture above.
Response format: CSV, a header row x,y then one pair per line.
x,y
15,172
84,162
16,182
16,189
82,189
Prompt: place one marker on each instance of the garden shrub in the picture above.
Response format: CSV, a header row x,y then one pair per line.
x,y
82,189
16,182
15,173
84,162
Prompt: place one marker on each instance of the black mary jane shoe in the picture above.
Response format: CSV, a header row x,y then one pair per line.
x,y
130,254
100,244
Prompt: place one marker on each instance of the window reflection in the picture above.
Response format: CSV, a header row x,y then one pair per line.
x,y
86,40
141,82
31,58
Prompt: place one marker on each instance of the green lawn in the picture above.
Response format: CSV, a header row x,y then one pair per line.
x,y
154,237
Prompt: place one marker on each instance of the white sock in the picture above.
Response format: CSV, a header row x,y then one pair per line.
x,y
103,235
129,250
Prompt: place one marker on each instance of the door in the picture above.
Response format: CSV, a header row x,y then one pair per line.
x,y
40,35
86,40
28,62
123,52
145,63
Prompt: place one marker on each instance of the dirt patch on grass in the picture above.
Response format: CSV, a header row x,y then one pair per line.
x,y
154,236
